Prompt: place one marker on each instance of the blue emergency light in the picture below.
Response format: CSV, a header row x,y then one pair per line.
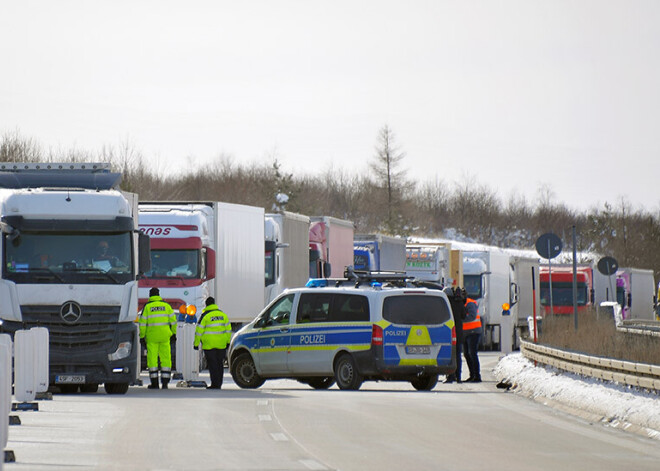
x,y
317,283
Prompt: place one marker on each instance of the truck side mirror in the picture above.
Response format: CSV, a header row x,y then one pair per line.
x,y
513,294
144,253
327,269
629,299
592,296
210,263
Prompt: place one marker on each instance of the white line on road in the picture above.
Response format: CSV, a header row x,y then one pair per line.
x,y
265,418
311,464
279,437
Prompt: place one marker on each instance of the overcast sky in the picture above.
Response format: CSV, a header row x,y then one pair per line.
x,y
515,95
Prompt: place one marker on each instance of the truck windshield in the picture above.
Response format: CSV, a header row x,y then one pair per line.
x,y
54,257
473,286
562,294
174,263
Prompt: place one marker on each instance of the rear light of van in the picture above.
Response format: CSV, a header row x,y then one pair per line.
x,y
453,335
376,335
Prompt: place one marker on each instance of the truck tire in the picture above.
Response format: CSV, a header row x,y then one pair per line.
x,y
324,382
245,373
116,388
425,383
346,373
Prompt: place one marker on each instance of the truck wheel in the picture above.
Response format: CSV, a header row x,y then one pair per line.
x,y
116,388
245,373
89,388
346,373
321,383
425,383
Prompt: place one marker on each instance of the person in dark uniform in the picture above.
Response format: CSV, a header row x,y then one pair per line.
x,y
457,298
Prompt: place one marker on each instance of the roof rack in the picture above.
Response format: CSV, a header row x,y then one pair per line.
x,y
357,278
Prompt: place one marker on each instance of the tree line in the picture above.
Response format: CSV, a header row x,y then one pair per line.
x,y
382,200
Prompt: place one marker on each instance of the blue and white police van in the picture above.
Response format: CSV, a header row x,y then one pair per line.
x,y
348,331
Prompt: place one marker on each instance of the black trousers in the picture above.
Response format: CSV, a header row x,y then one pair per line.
x,y
215,358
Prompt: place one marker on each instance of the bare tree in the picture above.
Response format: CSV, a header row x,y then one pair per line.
x,y
389,177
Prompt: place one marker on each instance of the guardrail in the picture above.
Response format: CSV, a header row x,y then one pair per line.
x,y
638,326
642,375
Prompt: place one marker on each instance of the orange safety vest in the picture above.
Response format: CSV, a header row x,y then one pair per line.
x,y
475,324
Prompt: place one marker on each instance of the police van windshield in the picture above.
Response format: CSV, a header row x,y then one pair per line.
x,y
174,263
54,257
417,309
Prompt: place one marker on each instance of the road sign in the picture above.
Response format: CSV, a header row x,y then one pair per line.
x,y
549,245
608,266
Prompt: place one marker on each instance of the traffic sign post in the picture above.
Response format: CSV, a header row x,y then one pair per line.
x,y
548,246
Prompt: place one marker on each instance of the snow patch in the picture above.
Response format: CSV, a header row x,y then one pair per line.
x,y
618,405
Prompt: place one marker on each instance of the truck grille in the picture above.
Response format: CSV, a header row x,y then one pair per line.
x,y
95,328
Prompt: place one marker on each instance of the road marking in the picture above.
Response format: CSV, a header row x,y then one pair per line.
x,y
311,464
265,418
262,403
279,437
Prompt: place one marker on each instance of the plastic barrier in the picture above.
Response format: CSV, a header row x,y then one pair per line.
x,y
530,325
5,390
42,357
189,356
25,366
179,347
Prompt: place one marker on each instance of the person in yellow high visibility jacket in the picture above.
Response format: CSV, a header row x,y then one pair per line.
x,y
157,326
214,332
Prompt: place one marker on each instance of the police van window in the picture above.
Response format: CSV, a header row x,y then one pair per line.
x,y
314,307
349,308
415,309
280,312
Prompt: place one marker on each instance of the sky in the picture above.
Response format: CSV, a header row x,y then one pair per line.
x,y
521,96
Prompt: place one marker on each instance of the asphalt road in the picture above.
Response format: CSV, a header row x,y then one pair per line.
x,y
285,425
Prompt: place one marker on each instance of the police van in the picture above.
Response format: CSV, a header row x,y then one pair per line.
x,y
348,331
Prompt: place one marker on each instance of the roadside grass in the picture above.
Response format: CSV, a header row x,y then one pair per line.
x,y
597,335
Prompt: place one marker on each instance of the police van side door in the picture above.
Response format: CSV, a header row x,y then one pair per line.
x,y
274,337
309,349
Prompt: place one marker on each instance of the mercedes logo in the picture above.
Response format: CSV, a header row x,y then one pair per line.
x,y
70,312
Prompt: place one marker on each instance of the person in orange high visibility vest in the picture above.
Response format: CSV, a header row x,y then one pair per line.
x,y
472,332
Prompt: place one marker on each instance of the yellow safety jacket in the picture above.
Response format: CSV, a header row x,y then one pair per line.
x,y
213,328
157,321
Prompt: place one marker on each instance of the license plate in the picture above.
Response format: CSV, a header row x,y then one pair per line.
x,y
70,379
418,349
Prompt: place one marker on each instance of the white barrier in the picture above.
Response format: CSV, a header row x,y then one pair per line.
x,y
25,366
189,357
5,390
41,357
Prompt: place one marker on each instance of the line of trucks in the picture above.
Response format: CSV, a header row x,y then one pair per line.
x,y
53,216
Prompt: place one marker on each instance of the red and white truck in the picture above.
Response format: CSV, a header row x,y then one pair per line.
x,y
562,288
201,249
330,246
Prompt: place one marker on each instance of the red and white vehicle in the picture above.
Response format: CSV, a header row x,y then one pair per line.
x,y
202,249
562,288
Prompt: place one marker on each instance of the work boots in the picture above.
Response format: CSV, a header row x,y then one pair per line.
x,y
154,384
164,382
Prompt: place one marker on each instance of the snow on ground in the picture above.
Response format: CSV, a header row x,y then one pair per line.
x,y
616,405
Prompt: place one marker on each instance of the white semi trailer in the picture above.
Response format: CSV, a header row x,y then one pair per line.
x,y
287,252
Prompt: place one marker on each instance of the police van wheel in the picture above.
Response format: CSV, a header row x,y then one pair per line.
x,y
321,383
245,373
425,383
346,373
116,388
